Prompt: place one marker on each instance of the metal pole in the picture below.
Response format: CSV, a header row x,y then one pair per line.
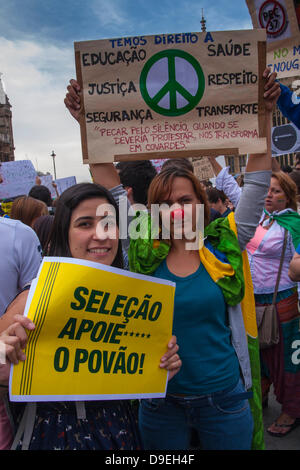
x,y
53,156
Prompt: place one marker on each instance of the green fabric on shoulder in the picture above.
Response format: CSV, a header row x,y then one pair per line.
x,y
146,252
291,222
223,239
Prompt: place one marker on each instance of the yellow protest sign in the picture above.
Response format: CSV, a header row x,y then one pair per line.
x,y
100,333
172,95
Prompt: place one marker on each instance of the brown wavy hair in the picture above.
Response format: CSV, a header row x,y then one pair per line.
x,y
161,186
289,188
27,209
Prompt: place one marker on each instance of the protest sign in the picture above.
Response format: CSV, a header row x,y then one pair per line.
x,y
172,95
279,18
202,168
285,139
65,183
100,333
18,178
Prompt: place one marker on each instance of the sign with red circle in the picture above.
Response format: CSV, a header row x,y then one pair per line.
x,y
272,17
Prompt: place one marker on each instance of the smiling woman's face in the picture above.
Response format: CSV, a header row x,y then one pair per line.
x,y
88,239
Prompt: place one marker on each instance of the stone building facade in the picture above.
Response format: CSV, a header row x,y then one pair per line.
x,y
6,131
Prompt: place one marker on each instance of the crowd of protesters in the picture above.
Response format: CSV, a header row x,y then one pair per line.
x,y
219,379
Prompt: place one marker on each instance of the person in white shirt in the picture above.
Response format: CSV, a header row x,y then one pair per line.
x,y
20,253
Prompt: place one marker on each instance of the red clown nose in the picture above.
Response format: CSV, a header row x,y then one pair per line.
x,y
177,214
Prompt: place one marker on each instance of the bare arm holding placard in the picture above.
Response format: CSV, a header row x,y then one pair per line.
x,y
258,172
102,173
247,207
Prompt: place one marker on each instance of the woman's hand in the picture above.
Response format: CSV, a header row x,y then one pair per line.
x,y
171,360
72,100
13,340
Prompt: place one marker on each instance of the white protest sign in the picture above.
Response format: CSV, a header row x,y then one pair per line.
x,y
18,178
65,183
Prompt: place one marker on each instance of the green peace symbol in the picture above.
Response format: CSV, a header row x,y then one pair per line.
x,y
172,86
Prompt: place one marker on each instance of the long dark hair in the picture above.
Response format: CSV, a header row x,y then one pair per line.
x,y
68,201
42,227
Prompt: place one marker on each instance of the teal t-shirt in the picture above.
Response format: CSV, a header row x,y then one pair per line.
x,y
209,362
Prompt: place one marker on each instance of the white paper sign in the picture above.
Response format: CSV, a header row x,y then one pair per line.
x,y
65,183
18,178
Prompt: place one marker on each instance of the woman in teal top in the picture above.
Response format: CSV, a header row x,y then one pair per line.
x,y
208,394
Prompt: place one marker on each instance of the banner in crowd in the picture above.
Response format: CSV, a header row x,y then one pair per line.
x,y
17,178
100,333
281,20
172,95
65,183
285,139
61,184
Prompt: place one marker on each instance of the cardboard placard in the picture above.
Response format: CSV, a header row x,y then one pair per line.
x,y
202,168
100,333
172,95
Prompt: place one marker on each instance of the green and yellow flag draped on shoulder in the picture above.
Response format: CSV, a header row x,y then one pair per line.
x,y
229,268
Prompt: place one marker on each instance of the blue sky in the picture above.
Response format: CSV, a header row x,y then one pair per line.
x,y
66,21
37,60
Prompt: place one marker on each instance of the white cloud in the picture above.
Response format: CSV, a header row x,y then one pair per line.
x,y
36,76
109,13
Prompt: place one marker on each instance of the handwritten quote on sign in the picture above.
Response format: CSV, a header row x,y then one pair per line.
x,y
100,333
172,95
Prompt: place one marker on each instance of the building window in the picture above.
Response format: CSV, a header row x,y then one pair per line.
x,y
230,163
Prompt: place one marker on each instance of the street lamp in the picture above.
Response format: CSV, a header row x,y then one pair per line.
x,y
53,156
